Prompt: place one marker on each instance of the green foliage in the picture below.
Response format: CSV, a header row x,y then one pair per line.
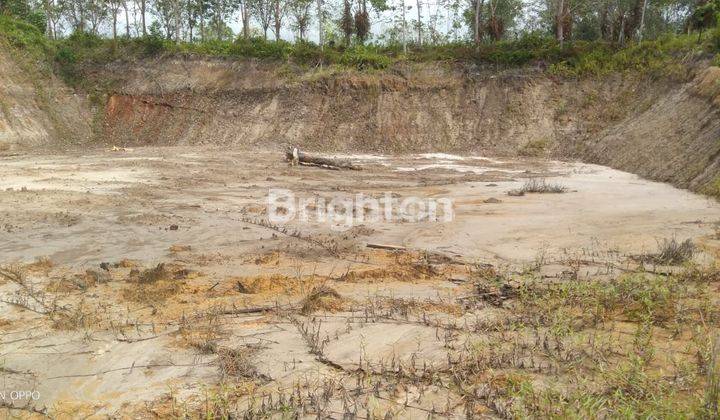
x,y
659,56
153,44
574,59
261,48
705,15
363,58
714,41
309,53
24,36
23,10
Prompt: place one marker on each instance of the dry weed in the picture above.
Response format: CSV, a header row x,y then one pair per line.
x,y
322,298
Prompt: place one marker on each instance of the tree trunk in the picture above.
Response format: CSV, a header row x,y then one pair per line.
x,y
642,21
404,28
277,20
178,22
419,14
305,159
478,9
245,19
560,32
127,19
142,15
320,24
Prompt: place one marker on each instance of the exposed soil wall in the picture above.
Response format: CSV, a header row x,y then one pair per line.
x,y
661,129
37,109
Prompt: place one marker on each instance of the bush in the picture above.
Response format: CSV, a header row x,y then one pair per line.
x,y
261,48
65,55
715,40
152,44
81,39
307,53
364,58
24,36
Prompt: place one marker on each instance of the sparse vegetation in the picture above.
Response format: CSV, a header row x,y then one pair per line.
x,y
626,343
322,298
538,186
671,252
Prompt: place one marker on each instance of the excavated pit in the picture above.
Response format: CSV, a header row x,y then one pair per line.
x,y
139,275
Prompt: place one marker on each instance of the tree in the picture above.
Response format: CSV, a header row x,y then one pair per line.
x,y
194,15
263,12
219,12
278,12
53,12
704,15
347,24
299,12
114,7
75,12
320,23
362,18
166,14
477,28
244,8
501,16
143,10
560,16
362,22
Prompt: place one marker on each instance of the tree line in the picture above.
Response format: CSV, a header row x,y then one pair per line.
x,y
414,22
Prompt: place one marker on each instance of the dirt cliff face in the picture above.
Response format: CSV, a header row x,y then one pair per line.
x,y
415,108
36,109
662,129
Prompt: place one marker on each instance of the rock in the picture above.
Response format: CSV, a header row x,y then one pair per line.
x,y
180,248
96,276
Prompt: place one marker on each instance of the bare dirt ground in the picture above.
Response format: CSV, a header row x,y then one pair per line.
x,y
148,282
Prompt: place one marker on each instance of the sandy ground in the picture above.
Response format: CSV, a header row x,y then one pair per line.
x,y
108,345
87,209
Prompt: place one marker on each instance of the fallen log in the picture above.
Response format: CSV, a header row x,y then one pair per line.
x,y
386,247
328,163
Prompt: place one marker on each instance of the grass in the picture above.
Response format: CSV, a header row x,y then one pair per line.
x,y
635,346
538,186
673,252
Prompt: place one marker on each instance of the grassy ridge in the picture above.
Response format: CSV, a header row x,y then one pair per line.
x,y
573,59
